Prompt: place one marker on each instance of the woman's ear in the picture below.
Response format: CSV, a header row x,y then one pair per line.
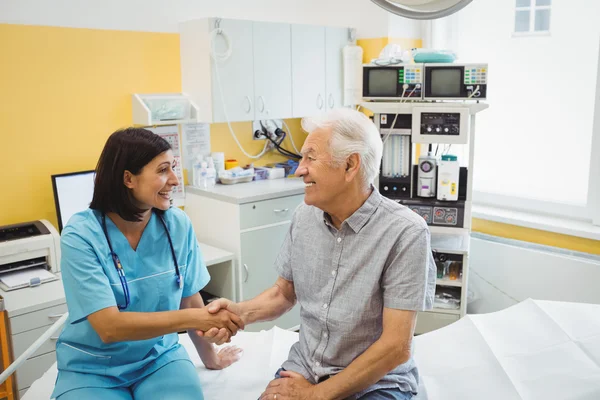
x,y
128,179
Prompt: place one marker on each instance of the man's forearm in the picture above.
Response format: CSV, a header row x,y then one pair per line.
x,y
366,370
267,306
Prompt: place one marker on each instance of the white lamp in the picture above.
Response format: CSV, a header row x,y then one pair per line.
x,y
422,9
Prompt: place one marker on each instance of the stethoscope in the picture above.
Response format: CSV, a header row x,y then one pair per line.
x,y
121,271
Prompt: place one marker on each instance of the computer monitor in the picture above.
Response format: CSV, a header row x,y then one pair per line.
x,y
72,193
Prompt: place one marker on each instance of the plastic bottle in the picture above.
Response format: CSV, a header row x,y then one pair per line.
x,y
211,174
196,171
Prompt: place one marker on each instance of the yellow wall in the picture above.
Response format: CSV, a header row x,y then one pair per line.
x,y
221,140
536,236
65,90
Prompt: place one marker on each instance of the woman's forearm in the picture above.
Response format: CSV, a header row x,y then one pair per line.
x,y
113,325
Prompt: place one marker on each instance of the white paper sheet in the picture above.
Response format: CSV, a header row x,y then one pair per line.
x,y
196,140
24,276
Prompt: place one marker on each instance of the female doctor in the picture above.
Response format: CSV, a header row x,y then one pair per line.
x,y
132,270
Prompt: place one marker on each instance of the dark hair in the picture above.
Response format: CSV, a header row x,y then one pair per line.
x,y
127,149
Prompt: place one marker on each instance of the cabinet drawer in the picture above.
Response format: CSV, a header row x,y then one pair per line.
x,y
430,321
269,211
37,319
23,340
33,369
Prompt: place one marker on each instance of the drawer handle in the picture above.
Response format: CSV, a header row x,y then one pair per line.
x,y
277,210
247,273
54,316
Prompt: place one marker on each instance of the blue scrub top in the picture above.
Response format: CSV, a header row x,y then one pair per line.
x,y
91,284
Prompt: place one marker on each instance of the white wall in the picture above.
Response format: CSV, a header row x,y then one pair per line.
x,y
164,15
541,96
503,274
400,27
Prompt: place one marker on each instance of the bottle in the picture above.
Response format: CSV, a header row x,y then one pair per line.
x,y
204,175
196,171
211,174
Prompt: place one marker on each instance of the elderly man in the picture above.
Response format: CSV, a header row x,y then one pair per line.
x,y
359,264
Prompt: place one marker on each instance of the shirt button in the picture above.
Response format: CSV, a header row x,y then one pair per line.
x,y
333,273
317,378
318,364
325,305
339,240
325,335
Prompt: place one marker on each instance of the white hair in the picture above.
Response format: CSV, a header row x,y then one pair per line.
x,y
352,132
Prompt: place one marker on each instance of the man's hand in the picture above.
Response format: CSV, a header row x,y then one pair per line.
x,y
205,321
292,386
218,336
225,357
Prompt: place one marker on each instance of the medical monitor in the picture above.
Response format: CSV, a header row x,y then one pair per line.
x,y
72,193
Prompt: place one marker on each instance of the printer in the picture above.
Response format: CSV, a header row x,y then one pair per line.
x,y
29,254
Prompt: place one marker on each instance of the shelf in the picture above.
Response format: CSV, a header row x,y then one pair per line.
x,y
445,311
448,282
447,230
450,242
380,107
175,108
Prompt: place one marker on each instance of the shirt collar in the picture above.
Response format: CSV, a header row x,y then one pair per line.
x,y
360,217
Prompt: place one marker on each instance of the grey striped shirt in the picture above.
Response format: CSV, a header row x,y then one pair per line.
x,y
380,257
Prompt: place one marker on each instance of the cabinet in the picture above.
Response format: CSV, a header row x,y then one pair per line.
x,y
335,40
266,70
317,68
251,221
31,311
234,74
308,69
272,70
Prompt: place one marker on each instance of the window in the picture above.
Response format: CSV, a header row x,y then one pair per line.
x,y
535,147
532,16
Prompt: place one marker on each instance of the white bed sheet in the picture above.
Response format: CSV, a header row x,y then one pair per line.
x,y
264,352
531,351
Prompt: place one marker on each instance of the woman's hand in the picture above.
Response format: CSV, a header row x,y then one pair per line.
x,y
225,357
205,320
216,336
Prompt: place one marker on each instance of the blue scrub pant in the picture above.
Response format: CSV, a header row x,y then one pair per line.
x,y
176,380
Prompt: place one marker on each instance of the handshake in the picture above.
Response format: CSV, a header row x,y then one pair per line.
x,y
219,321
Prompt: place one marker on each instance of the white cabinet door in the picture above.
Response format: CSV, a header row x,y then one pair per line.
x,y
259,251
335,40
232,78
308,70
272,70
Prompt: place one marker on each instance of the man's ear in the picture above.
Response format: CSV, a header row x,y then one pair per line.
x,y
352,166
128,179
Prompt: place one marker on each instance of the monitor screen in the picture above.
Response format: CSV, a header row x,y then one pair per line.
x,y
72,193
382,82
446,82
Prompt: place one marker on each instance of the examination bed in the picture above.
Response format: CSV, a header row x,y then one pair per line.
x,y
532,350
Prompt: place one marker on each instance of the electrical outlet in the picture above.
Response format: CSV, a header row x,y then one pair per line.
x,y
270,125
257,131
